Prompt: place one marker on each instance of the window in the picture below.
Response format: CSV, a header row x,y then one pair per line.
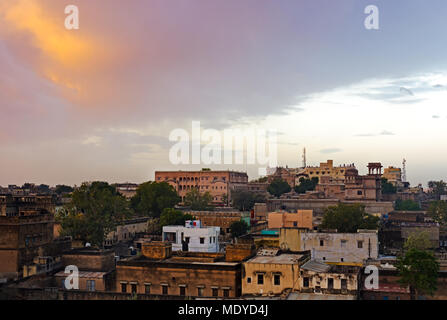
x,y
260,279
276,279
306,282
164,289
183,291
359,193
330,283
226,293
249,280
123,287
90,285
343,243
321,243
344,284
295,223
147,288
202,240
170,236
200,292
215,292
359,244
133,287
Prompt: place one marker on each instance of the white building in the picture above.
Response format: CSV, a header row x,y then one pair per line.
x,y
341,247
344,248
193,237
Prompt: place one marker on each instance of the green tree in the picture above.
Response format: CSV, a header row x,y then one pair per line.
x,y
238,228
197,200
438,211
388,188
152,197
418,269
43,188
418,240
348,218
245,200
406,205
94,211
278,187
439,188
173,217
306,185
63,189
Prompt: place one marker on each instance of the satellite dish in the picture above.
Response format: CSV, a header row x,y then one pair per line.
x,y
88,244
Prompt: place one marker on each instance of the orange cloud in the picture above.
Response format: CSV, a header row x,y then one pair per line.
x,y
49,34
67,57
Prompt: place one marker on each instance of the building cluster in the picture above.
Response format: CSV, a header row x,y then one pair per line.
x,y
285,255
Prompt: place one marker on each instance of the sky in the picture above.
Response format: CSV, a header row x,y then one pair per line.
x,y
100,102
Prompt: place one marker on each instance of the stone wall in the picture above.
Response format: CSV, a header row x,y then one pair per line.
x,y
239,252
90,260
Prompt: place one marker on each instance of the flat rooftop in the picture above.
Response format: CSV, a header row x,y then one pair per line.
x,y
84,274
281,259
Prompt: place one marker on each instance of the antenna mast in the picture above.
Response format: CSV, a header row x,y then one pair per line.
x,y
404,171
304,158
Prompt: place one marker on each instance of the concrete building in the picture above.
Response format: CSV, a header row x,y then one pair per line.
x,y
283,174
320,278
327,169
96,269
393,234
367,187
332,188
330,247
253,187
318,206
260,212
270,273
192,237
222,218
162,273
128,190
26,232
393,175
299,219
219,184
127,230
389,287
